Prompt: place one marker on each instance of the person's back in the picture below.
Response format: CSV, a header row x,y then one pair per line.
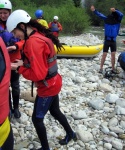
x,y
121,60
43,22
112,26
40,18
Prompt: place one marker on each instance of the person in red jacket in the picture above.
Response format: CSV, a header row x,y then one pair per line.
x,y
40,66
6,135
9,40
55,26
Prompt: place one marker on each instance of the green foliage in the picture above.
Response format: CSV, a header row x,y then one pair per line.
x,y
103,7
53,3
25,5
77,3
73,19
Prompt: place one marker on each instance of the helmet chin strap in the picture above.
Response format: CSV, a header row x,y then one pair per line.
x,y
23,30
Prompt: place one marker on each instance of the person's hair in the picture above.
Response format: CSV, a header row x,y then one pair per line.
x,y
41,29
115,15
9,10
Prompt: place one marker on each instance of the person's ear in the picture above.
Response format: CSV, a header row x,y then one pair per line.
x,y
22,26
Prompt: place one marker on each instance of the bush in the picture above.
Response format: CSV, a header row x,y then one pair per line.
x,y
25,5
73,19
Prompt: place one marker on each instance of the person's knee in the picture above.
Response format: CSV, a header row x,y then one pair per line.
x,y
56,113
53,112
104,55
37,121
15,84
113,54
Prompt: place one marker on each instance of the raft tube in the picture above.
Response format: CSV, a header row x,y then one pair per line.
x,y
79,51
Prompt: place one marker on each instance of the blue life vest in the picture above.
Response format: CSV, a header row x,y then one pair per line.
x,y
121,60
7,37
111,28
54,27
122,57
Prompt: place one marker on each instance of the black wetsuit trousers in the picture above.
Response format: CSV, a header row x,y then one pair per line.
x,y
14,83
41,107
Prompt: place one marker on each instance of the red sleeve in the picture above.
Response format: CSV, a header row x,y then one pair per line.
x,y
59,26
37,52
50,24
20,44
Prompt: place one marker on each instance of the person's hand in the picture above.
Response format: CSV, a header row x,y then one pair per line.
x,y
16,64
11,48
19,62
112,9
13,66
92,8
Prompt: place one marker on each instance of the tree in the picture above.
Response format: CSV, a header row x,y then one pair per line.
x,y
77,3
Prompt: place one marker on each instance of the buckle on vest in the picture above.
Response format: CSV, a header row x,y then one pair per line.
x,y
52,59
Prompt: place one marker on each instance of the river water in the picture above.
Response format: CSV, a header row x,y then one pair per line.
x,y
98,31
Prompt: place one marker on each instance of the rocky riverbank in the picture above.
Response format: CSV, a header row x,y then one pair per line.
x,y
93,105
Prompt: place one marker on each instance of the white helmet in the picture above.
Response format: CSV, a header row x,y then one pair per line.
x,y
17,17
55,17
5,4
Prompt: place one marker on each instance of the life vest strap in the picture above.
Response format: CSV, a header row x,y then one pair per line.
x,y
52,59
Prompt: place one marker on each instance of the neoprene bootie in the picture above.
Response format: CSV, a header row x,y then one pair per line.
x,y
68,138
17,113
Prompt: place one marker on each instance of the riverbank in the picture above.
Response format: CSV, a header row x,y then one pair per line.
x,y
93,105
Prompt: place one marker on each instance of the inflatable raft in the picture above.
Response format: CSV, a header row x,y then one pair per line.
x,y
80,51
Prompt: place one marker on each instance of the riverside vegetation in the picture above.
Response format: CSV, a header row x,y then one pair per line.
x,y
74,16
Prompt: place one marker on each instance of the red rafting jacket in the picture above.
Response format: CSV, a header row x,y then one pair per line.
x,y
17,54
37,53
4,84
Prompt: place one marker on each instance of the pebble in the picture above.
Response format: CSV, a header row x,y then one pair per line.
x,y
93,105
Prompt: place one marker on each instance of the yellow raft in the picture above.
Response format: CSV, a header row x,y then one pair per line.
x,y
80,51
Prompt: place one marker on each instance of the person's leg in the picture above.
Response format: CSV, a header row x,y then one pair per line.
x,y
15,93
58,115
41,107
10,102
103,60
113,60
105,51
113,52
